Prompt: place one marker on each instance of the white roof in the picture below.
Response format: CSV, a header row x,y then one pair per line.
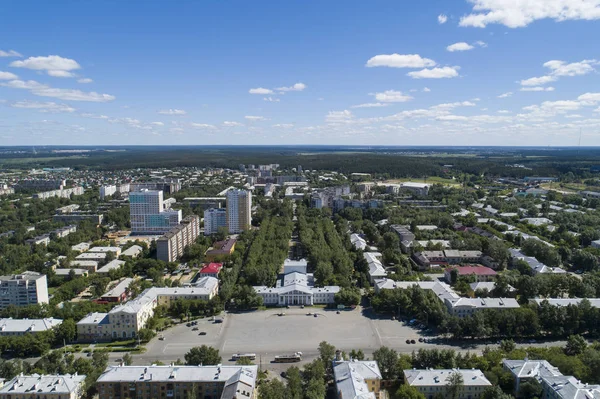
x,y
84,263
484,303
119,289
132,251
350,378
113,264
358,241
94,318
428,378
105,249
594,302
11,325
414,185
531,368
568,387
43,384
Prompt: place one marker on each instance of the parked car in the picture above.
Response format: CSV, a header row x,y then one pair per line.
x,y
408,341
195,329
421,340
316,315
202,333
188,325
412,341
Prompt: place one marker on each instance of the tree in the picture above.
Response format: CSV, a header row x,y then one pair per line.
x,y
348,296
127,359
495,392
327,353
294,383
388,362
202,355
146,334
273,389
576,345
409,392
454,382
357,354
508,345
530,389
66,331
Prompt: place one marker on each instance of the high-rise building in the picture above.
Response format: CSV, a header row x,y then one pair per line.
x,y
149,215
213,219
23,289
171,245
239,210
106,191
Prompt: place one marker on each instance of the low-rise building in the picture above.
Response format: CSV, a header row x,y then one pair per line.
x,y
432,382
65,273
464,307
104,250
211,270
150,382
220,250
358,242
12,327
81,247
529,370
94,327
481,273
119,292
376,269
536,266
357,379
90,265
132,252
112,265
35,386
91,256
568,387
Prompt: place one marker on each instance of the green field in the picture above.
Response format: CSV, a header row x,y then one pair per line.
x,y
430,180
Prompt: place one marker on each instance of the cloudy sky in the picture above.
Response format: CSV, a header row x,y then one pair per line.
x,y
397,72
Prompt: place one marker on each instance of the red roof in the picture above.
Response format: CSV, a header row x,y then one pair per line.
x,y
213,268
478,270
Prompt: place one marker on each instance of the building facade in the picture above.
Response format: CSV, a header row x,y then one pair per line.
x,y
239,210
214,218
171,245
357,379
201,382
28,288
432,383
149,214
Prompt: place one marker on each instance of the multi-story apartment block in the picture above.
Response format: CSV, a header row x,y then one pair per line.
x,y
40,184
125,320
432,382
5,190
171,245
357,379
62,193
239,210
214,218
106,191
23,289
150,382
149,215
44,386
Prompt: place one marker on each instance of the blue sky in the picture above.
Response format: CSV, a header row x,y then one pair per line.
x,y
452,72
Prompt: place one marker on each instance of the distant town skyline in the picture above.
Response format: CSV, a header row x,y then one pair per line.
x,y
464,72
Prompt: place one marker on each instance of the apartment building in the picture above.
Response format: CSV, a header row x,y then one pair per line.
x,y
40,184
529,370
62,193
149,214
171,245
76,217
35,386
432,383
12,327
357,379
214,218
239,210
150,382
23,289
106,191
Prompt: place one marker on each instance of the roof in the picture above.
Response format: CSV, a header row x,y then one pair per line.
x,y
350,378
105,249
569,387
11,325
531,368
119,289
477,270
212,268
222,247
132,251
219,373
94,318
23,276
358,241
112,265
427,378
594,302
487,285
484,303
43,384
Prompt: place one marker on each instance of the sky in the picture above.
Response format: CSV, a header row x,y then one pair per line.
x,y
240,72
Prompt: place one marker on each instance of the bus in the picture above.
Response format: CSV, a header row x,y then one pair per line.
x,y
296,357
250,356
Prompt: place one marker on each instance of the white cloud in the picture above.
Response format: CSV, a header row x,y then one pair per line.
x,y
481,43
520,13
295,87
54,65
589,98
93,116
10,53
8,76
451,118
172,111
339,116
157,123
260,90
435,73
392,96
442,18
84,80
64,94
453,105
203,125
232,124
43,106
255,118
542,80
426,89
370,105
561,68
460,46
400,61
505,95
573,116
504,111
284,125
537,88
271,99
